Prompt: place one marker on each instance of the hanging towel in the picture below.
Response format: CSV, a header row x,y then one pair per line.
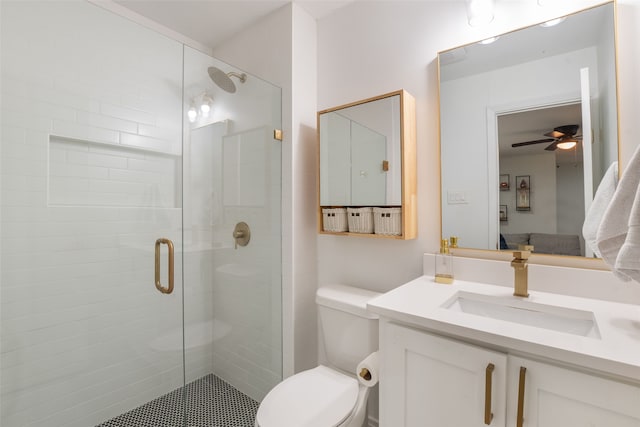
x,y
601,200
614,227
628,260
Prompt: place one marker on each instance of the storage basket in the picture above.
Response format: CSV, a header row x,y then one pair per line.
x,y
387,221
334,219
360,220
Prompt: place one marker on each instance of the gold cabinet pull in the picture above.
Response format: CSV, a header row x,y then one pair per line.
x,y
159,286
520,415
488,416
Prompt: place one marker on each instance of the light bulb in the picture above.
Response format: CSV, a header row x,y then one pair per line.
x,y
567,145
479,12
192,114
205,106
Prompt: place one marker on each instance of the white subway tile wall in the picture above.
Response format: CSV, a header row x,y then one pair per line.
x,y
90,161
242,285
92,167
83,173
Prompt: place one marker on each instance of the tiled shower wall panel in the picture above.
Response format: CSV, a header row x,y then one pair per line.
x,y
247,279
85,334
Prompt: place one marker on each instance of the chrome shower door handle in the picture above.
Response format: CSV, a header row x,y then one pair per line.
x,y
159,286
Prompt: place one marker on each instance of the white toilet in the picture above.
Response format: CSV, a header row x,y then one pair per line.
x,y
329,396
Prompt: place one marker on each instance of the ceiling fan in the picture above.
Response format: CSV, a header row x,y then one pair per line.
x,y
563,137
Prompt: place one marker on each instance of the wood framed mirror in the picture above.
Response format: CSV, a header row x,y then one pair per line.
x,y
505,110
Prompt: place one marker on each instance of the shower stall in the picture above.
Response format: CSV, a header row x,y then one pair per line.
x,y
140,226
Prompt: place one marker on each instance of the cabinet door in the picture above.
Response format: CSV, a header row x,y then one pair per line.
x,y
430,381
558,397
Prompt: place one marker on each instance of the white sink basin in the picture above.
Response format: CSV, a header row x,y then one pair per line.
x,y
561,319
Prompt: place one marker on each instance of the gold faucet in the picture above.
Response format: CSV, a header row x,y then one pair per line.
x,y
519,264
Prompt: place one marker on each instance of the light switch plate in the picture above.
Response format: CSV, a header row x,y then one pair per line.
x,y
456,197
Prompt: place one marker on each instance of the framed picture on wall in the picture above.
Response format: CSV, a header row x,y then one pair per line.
x,y
503,213
504,182
523,193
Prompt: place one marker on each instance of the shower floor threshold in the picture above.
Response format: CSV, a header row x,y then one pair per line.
x,y
211,402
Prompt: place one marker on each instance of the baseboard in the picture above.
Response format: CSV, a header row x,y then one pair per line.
x,y
373,422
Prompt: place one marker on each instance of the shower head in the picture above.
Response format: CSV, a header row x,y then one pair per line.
x,y
223,80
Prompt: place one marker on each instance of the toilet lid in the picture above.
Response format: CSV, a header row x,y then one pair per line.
x,y
319,397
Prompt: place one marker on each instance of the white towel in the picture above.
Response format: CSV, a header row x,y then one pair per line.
x,y
601,200
628,260
614,227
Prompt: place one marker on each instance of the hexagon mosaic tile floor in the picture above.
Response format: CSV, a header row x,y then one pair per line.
x,y
211,402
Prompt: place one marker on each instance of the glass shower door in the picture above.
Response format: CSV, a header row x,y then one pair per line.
x,y
232,175
91,164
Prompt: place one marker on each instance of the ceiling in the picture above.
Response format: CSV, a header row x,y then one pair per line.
x,y
532,125
211,22
578,31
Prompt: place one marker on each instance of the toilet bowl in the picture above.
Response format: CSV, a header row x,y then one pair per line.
x,y
329,395
318,397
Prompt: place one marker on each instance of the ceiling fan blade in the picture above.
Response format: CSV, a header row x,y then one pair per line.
x,y
553,146
565,130
537,141
554,134
568,129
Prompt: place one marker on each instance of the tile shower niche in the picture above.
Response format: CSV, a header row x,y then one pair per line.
x,y
88,173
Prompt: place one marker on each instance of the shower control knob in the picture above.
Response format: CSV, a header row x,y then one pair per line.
x,y
241,234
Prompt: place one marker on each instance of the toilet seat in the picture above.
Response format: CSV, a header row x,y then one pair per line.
x,y
319,397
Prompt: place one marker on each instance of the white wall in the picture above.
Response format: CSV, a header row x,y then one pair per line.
x,y
281,48
541,169
370,48
570,203
606,106
403,54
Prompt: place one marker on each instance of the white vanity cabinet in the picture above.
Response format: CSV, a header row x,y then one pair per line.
x,y
426,380
560,397
431,381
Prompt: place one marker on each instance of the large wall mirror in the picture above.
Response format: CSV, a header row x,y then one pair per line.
x,y
529,126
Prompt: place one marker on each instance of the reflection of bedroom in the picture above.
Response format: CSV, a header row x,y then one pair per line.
x,y
549,211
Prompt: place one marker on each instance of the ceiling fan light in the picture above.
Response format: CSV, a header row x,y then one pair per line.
x,y
566,145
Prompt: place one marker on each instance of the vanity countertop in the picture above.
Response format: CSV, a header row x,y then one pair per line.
x,y
423,303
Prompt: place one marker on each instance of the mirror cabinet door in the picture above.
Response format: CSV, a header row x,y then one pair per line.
x,y
367,159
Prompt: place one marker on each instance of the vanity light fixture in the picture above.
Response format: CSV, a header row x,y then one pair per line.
x,y
192,113
200,107
205,106
480,12
552,22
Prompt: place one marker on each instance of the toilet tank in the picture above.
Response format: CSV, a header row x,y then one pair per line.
x,y
349,333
